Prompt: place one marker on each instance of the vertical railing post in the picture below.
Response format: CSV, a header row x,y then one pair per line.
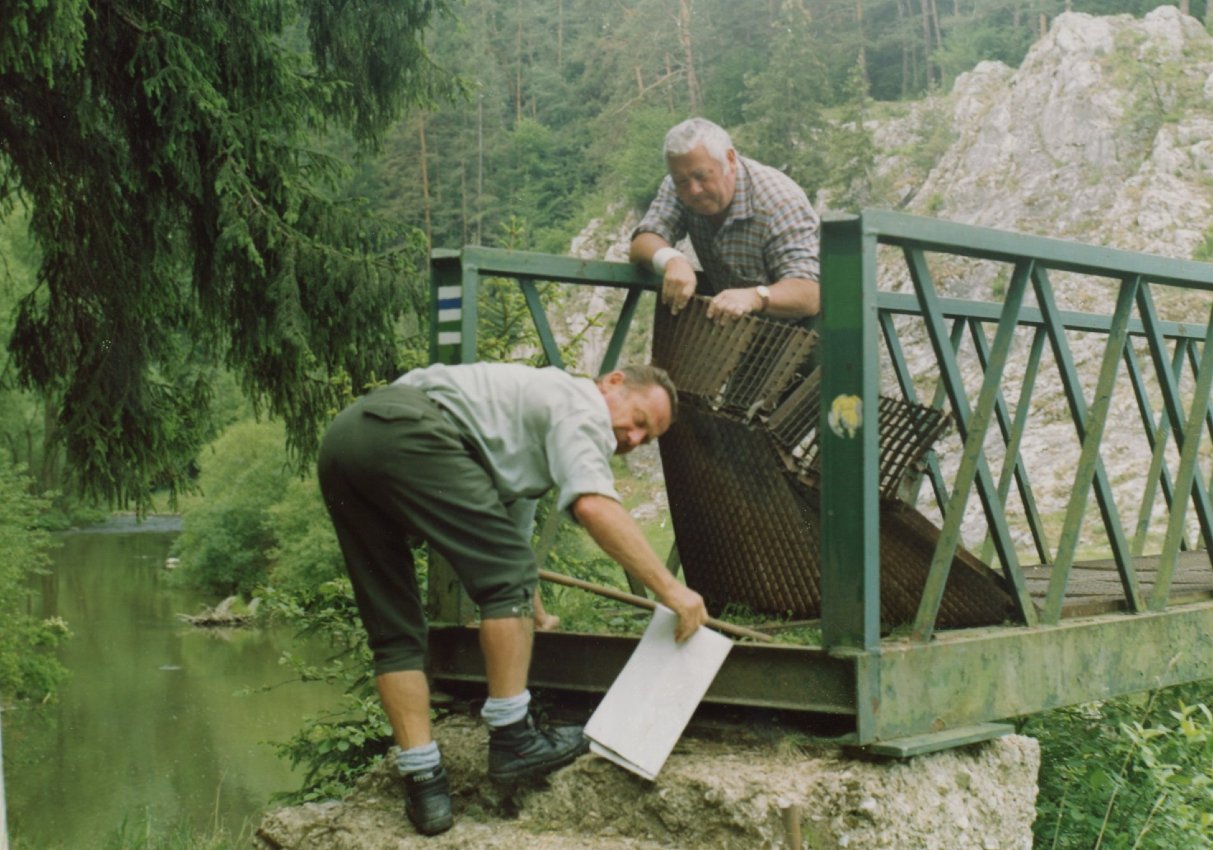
x,y
454,285
3,811
446,307
850,378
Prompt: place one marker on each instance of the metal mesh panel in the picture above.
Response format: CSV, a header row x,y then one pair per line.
x,y
741,367
907,433
741,467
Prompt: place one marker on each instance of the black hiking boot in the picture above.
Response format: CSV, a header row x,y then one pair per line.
x,y
428,802
522,750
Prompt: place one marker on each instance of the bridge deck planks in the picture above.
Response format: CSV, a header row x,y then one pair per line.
x,y
1095,588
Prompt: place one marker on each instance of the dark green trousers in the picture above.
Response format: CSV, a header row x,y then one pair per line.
x,y
393,466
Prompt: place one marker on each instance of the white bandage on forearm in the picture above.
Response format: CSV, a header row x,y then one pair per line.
x,y
662,257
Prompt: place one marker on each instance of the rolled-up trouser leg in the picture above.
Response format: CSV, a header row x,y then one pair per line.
x,y
392,465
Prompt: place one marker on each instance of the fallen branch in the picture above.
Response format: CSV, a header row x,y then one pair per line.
x,y
222,614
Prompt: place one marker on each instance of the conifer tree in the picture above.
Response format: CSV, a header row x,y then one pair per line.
x,y
186,219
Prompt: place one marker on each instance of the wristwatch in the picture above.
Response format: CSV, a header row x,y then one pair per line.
x,y
764,292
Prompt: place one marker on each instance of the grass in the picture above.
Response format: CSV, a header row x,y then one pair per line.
x,y
142,832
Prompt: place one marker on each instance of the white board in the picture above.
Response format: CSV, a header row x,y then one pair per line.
x,y
650,703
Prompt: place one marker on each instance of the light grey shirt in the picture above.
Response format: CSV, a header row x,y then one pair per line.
x,y
535,428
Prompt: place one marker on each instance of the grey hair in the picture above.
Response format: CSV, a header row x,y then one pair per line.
x,y
641,376
685,137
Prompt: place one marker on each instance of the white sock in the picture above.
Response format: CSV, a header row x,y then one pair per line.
x,y
418,759
502,711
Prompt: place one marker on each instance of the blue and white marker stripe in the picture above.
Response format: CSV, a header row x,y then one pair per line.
x,y
450,316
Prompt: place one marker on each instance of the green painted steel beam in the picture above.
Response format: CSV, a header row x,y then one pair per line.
x,y
618,336
905,380
791,678
1186,477
975,427
547,340
1013,429
850,485
899,303
974,468
964,677
1195,366
470,323
933,742
967,240
1158,474
1089,425
528,265
1175,417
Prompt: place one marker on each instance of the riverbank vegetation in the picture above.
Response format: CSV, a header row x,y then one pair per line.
x,y
29,670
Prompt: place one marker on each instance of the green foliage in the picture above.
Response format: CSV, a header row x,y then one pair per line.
x,y
634,164
1204,251
260,528
851,149
988,32
531,167
1127,773
305,554
212,233
226,537
143,833
28,667
1161,88
785,126
337,747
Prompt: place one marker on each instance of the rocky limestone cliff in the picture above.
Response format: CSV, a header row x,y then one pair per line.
x,y
1101,136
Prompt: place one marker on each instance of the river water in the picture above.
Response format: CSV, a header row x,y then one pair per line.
x,y
159,722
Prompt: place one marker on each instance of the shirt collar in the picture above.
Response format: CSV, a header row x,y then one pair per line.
x,y
742,192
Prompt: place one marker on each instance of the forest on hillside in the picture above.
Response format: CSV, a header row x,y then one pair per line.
x,y
565,103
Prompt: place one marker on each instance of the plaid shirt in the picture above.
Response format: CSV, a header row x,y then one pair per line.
x,y
771,231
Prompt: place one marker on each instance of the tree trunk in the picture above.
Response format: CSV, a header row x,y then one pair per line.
x,y
1185,6
463,202
425,184
518,69
908,70
926,41
478,210
863,64
49,469
694,96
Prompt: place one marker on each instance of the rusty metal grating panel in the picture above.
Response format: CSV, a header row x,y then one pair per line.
x,y
741,468
907,433
746,364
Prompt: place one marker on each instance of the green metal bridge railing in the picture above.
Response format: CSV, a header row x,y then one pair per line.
x,y
881,272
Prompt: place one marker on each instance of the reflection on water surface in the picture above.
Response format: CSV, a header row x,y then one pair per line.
x,y
154,722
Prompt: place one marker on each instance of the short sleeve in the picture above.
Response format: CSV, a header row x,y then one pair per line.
x,y
793,242
579,461
793,248
666,216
